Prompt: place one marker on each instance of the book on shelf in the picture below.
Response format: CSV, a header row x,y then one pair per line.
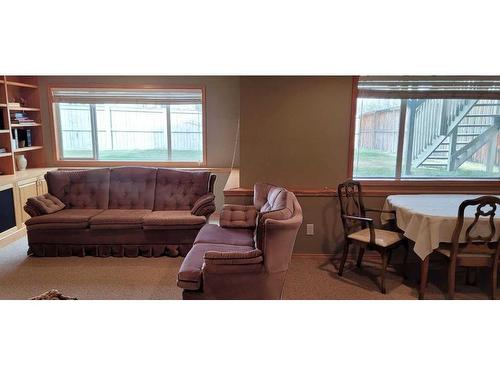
x,y
3,150
21,122
22,138
14,105
20,118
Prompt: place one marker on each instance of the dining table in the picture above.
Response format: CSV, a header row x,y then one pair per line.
x,y
430,219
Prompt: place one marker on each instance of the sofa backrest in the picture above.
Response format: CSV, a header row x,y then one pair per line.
x,y
179,190
80,188
278,223
279,238
132,188
272,202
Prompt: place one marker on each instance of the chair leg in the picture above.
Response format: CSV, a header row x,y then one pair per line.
x,y
344,257
405,259
389,257
424,272
471,276
360,256
451,278
385,261
494,280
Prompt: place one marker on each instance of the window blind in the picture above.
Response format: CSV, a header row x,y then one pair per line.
x,y
126,96
425,87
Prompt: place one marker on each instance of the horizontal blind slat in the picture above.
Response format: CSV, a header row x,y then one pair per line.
x,y
145,96
414,87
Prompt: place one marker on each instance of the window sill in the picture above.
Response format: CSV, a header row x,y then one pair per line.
x,y
97,164
428,186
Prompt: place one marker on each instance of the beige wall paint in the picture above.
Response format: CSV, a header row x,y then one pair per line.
x,y
295,133
295,130
222,110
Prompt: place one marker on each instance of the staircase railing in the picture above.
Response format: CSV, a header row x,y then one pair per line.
x,y
430,122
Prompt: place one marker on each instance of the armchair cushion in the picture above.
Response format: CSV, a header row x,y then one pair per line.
x,y
44,204
204,206
212,233
238,216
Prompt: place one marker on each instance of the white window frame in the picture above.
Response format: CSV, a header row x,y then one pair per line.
x,y
464,87
59,160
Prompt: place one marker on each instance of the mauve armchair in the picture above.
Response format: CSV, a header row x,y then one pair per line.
x,y
227,263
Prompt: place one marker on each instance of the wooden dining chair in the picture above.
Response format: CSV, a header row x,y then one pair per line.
x,y
475,250
360,229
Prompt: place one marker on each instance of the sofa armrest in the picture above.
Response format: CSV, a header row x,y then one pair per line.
x,y
233,257
43,205
238,216
204,206
31,211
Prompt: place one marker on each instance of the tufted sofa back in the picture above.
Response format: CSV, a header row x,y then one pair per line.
x,y
132,188
178,190
156,189
80,188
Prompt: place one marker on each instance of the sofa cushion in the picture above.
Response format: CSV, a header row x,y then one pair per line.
x,y
80,188
165,219
179,190
68,218
212,233
132,188
189,276
118,219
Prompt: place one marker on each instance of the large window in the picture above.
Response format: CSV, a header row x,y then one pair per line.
x,y
129,125
440,128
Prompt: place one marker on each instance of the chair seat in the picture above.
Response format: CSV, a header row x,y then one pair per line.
x,y
383,238
447,253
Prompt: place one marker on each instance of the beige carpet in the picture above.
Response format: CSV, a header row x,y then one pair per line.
x,y
23,277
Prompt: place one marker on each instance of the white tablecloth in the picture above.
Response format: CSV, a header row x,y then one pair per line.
x,y
428,219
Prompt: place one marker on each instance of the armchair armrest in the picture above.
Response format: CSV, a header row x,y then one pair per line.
x,y
238,216
367,221
43,205
359,218
234,262
204,206
233,257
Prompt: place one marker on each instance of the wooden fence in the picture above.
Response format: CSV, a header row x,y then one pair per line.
x,y
130,129
379,130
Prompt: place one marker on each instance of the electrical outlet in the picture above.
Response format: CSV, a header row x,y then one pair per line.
x,y
310,229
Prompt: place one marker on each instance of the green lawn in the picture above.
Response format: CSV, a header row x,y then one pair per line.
x,y
374,163
138,155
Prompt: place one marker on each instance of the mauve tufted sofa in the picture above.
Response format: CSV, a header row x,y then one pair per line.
x,y
123,211
247,256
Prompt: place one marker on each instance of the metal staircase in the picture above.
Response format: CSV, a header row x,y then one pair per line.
x,y
444,133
